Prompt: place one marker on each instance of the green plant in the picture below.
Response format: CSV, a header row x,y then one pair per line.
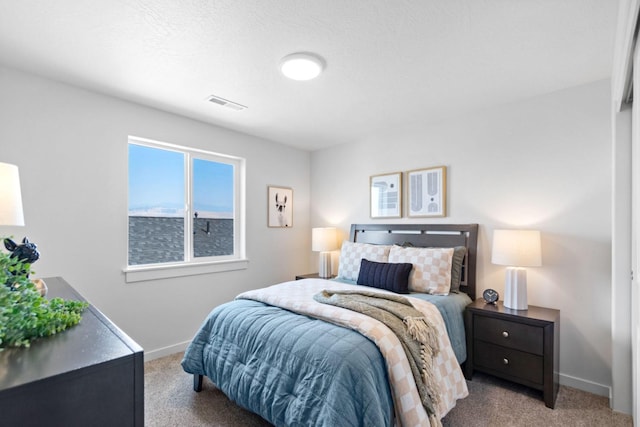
x,y
24,314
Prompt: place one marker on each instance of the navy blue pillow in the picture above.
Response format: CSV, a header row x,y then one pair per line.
x,y
392,277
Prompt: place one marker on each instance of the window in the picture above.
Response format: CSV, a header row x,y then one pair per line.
x,y
185,210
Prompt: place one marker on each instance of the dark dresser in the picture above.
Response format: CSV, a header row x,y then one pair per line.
x,y
518,345
89,375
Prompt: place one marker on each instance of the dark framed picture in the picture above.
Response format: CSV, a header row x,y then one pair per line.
x,y
385,192
279,207
427,192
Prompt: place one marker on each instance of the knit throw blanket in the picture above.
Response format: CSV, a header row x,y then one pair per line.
x,y
418,336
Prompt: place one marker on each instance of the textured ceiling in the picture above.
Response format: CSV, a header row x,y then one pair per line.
x,y
389,63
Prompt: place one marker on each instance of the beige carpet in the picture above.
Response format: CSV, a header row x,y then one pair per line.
x,y
171,401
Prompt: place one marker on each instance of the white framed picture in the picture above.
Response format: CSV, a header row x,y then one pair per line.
x,y
279,207
427,192
386,195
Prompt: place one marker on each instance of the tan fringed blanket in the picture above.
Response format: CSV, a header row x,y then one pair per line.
x,y
297,296
418,336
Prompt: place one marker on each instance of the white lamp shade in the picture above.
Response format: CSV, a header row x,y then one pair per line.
x,y
324,239
516,248
10,197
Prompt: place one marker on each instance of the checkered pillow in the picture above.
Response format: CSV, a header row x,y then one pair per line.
x,y
431,268
352,254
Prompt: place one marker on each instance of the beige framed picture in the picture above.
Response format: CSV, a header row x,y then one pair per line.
x,y
427,192
386,195
279,207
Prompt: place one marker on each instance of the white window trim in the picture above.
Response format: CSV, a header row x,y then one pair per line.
x,y
192,266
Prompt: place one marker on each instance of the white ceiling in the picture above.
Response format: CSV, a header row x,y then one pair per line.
x,y
390,63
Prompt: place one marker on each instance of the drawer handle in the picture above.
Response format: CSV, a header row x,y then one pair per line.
x,y
505,361
505,334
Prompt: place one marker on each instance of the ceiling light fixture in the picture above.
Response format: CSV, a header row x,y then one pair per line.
x,y
302,66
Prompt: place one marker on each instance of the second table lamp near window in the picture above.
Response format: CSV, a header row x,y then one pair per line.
x,y
324,240
516,249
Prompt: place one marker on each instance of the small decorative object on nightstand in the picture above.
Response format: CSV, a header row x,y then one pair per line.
x,y
517,345
490,296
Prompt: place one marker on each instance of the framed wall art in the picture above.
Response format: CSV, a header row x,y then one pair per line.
x,y
386,195
280,207
427,192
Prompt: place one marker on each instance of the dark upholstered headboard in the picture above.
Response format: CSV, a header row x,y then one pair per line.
x,y
426,235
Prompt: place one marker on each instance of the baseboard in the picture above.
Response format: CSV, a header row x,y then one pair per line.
x,y
585,385
165,351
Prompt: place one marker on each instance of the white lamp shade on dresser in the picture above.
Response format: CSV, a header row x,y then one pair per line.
x,y
10,196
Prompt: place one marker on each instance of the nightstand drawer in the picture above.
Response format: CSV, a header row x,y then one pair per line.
x,y
509,334
509,362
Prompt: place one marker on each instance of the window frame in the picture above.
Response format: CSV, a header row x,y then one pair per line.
x,y
192,265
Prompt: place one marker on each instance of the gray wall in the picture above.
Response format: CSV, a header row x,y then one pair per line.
x,y
71,148
542,163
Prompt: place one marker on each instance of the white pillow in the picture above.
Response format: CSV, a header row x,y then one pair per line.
x,y
352,253
431,268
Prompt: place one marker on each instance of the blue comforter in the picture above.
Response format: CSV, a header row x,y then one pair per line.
x,y
290,369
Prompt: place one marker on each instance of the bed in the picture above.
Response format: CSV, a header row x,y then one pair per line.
x,y
280,353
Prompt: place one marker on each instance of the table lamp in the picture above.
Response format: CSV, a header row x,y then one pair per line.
x,y
516,249
10,196
324,240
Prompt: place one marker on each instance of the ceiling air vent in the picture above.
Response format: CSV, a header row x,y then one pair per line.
x,y
226,103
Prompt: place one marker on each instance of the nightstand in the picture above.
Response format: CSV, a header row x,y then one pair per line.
x,y
310,276
516,345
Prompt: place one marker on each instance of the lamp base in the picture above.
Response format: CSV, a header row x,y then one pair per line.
x,y
515,288
324,267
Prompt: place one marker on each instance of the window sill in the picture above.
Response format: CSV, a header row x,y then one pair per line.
x,y
144,273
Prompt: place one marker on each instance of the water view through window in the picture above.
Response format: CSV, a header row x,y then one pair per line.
x,y
157,201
